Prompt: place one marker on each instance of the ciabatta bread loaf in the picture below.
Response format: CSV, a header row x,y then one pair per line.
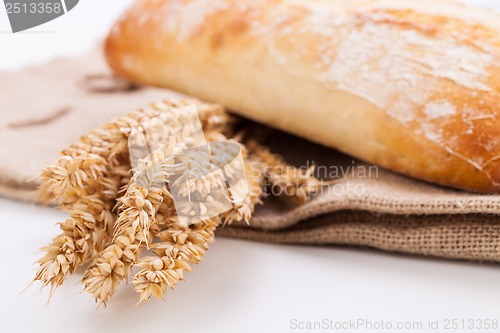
x,y
411,85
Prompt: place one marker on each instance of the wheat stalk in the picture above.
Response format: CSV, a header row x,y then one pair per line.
x,y
67,252
288,181
82,235
138,207
86,182
242,211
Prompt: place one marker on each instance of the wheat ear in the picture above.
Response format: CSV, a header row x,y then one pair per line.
x,y
285,180
181,247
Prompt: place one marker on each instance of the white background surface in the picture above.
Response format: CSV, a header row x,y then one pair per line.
x,y
240,286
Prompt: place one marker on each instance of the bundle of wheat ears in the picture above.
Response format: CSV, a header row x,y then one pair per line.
x,y
113,217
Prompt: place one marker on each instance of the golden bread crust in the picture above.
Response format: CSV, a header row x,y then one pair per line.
x,y
413,86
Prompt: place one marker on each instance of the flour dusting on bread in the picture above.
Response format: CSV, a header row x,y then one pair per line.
x,y
400,68
185,18
435,110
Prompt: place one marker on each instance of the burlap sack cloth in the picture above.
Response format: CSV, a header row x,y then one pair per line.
x,y
45,108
